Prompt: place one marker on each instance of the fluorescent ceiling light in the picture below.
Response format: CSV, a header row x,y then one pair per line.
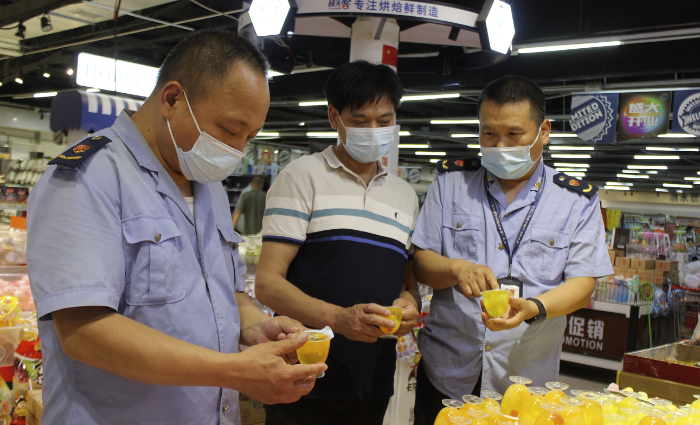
x,y
435,160
560,47
462,135
633,176
661,190
658,148
268,16
647,167
499,27
691,178
576,174
429,97
426,153
301,124
92,90
481,154
657,157
676,135
571,156
571,148
616,188
314,103
326,134
46,94
473,146
567,164
272,73
404,133
631,171
410,146
571,169
685,186
19,80
69,71
679,191
454,121
652,172
46,75
268,134
562,135
619,184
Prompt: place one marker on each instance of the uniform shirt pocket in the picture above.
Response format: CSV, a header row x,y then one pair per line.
x,y
461,236
153,269
547,253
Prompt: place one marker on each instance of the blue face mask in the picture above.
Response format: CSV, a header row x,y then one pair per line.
x,y
368,144
509,163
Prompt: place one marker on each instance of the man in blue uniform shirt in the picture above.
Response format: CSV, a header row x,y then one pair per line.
x,y
515,222
134,261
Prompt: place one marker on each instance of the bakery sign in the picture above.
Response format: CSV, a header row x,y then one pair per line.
x,y
596,333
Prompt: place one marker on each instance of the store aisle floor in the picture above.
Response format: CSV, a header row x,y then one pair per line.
x,y
580,377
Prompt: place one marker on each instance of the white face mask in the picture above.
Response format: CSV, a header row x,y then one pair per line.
x,y
209,160
509,163
368,144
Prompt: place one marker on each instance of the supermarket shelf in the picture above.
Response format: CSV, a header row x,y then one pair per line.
x,y
591,361
17,207
612,308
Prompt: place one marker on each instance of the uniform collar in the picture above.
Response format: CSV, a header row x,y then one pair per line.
x,y
334,162
526,195
130,134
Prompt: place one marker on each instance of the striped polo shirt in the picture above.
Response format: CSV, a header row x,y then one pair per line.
x,y
354,242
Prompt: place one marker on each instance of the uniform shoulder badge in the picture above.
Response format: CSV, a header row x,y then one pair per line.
x,y
80,152
576,185
458,165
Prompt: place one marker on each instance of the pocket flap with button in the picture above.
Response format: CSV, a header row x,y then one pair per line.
x,y
149,229
229,235
551,238
461,222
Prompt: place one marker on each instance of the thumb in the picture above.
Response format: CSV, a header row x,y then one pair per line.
x,y
288,345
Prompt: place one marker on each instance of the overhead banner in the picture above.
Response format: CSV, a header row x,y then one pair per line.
x,y
643,115
686,112
593,116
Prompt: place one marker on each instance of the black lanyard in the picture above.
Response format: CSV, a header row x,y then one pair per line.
x,y
528,218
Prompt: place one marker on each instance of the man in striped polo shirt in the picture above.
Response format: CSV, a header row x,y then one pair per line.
x,y
336,235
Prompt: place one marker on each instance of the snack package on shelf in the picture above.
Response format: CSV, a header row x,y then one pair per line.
x,y
28,372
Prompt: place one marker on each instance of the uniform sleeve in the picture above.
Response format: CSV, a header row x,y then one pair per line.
x,y
428,229
588,255
75,248
287,211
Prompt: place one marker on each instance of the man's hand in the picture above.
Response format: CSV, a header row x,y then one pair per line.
x,y
277,329
409,317
361,322
472,279
262,374
519,310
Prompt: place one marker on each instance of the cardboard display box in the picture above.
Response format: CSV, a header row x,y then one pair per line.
x,y
674,276
678,393
660,277
643,264
35,407
630,273
252,412
667,266
672,362
648,276
623,262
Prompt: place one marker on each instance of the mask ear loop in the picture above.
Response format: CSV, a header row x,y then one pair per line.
x,y
192,113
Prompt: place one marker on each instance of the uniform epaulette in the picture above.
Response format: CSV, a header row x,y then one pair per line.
x,y
80,152
576,185
458,165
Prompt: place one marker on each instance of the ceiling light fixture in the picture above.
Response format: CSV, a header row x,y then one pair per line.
x,y
684,186
301,124
46,23
322,134
268,16
426,153
435,160
571,156
647,167
571,148
691,178
429,97
93,90
562,135
567,164
314,103
404,133
560,47
268,134
619,184
463,135
658,148
473,146
576,174
454,121
661,190
69,71
271,74
19,80
562,170
46,75
413,146
631,171
662,157
633,176
652,172
21,29
676,135
47,94
616,188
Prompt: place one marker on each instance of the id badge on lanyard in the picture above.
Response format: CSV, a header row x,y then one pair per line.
x,y
510,283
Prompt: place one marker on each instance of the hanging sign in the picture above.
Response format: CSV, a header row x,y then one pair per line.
x,y
593,116
643,115
686,112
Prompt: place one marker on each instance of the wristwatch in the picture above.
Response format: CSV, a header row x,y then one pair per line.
x,y
541,315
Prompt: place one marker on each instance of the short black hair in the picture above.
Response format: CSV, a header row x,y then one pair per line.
x,y
356,83
204,58
515,89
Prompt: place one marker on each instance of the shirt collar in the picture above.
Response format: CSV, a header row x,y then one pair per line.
x,y
523,197
130,134
334,162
